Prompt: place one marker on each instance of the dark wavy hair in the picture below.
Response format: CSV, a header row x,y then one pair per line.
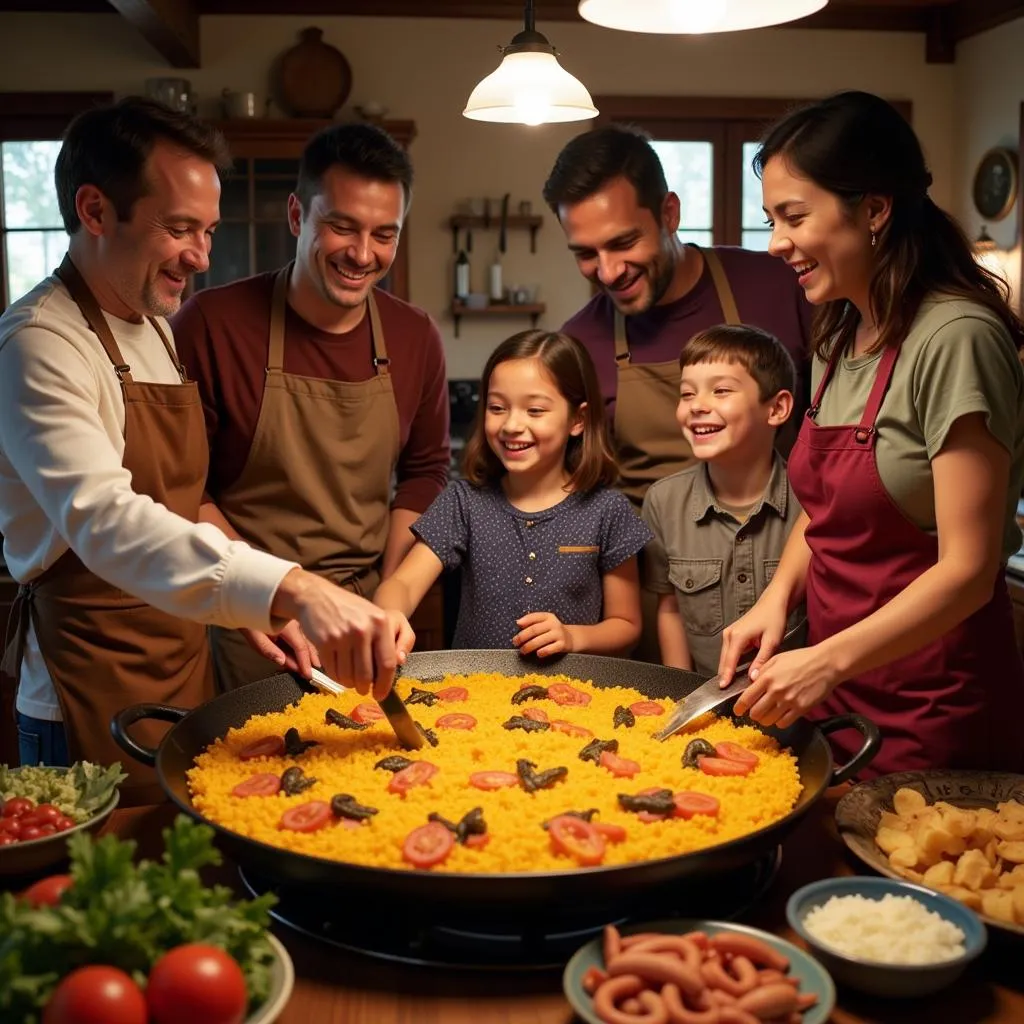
x,y
855,145
588,457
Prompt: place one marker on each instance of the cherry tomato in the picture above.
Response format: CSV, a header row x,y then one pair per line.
x,y
96,995
63,824
427,845
612,832
577,839
47,891
646,707
45,814
10,827
48,830
688,804
570,728
493,780
537,714
307,817
195,983
264,784
723,766
269,746
477,842
621,767
416,774
6,839
563,693
453,693
456,721
17,806
734,752
30,832
367,712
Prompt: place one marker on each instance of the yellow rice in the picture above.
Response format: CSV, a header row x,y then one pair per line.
x,y
343,763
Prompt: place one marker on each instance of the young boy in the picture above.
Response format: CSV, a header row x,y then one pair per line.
x,y
720,526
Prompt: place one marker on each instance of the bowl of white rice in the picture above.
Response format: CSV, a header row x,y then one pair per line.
x,y
886,937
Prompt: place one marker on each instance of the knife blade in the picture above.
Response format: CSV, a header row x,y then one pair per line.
x,y
392,705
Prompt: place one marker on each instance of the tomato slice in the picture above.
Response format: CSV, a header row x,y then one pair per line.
x,y
453,693
264,784
563,693
723,766
612,832
416,774
621,767
427,845
306,817
648,816
269,746
734,752
537,714
577,839
367,712
493,780
477,842
456,721
570,728
688,804
646,707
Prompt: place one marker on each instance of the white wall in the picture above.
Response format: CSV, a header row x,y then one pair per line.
x,y
989,90
424,69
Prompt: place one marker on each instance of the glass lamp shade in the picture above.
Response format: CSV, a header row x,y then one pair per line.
x,y
681,17
530,88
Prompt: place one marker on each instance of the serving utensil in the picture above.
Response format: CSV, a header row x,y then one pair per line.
x,y
709,696
392,705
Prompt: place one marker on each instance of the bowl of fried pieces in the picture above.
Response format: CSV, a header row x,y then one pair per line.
x,y
958,832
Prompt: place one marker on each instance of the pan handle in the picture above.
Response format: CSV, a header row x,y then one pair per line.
x,y
872,743
127,717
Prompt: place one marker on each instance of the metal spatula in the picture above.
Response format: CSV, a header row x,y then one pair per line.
x,y
392,705
708,696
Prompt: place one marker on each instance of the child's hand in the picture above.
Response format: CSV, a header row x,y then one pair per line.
x,y
541,632
405,638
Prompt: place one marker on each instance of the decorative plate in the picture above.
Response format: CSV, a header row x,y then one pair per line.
x,y
313,78
813,977
859,811
995,183
282,980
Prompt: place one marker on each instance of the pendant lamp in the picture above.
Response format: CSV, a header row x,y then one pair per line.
x,y
529,86
681,17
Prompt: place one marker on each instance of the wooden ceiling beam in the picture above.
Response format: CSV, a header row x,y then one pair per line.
x,y
969,17
171,27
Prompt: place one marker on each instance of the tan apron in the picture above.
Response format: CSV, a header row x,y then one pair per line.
x,y
103,648
648,441
316,486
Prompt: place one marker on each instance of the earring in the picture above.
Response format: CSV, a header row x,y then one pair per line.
x,y
874,240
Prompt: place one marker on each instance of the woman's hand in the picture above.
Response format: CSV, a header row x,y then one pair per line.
x,y
787,686
295,653
543,633
762,627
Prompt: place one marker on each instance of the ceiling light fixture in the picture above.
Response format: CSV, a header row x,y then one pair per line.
x,y
529,86
681,17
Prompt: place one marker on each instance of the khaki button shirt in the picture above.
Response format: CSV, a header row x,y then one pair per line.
x,y
717,566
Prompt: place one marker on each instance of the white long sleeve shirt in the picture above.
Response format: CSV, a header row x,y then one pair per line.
x,y
62,483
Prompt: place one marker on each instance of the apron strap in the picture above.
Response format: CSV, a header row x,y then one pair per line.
x,y
71,278
883,377
380,350
722,287
278,305
182,373
621,343
830,369
17,631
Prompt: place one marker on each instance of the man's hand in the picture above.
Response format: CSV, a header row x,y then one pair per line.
x,y
290,649
354,638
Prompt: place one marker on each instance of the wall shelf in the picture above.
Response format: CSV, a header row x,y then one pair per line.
x,y
514,221
532,310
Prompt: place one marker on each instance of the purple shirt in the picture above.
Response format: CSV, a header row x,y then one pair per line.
x,y
767,296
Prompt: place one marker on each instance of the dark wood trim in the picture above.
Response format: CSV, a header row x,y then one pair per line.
x,y
285,138
969,17
171,27
940,43
43,115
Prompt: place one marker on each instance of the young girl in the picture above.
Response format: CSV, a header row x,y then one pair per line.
x,y
547,549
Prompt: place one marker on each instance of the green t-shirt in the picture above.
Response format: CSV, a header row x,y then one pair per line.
x,y
957,359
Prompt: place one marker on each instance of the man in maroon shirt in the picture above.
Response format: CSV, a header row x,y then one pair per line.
x,y
325,397
608,190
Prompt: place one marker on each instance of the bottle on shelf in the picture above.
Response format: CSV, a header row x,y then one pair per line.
x,y
461,275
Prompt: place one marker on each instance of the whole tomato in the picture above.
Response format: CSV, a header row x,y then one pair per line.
x,y
96,995
195,983
48,891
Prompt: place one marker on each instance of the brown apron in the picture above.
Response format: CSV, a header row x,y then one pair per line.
x,y
316,486
648,442
103,648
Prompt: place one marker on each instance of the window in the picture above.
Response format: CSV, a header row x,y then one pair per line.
x,y
34,240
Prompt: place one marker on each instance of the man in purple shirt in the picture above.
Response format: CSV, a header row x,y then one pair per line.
x,y
608,190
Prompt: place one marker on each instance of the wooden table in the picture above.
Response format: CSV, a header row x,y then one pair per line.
x,y
333,987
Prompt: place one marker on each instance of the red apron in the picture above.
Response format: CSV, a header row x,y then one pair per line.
x,y
957,702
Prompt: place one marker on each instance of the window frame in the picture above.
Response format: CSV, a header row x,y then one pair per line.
x,y
32,117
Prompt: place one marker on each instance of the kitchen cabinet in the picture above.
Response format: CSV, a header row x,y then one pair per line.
x,y
253,235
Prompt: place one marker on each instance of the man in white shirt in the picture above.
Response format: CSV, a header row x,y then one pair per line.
x,y
103,458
